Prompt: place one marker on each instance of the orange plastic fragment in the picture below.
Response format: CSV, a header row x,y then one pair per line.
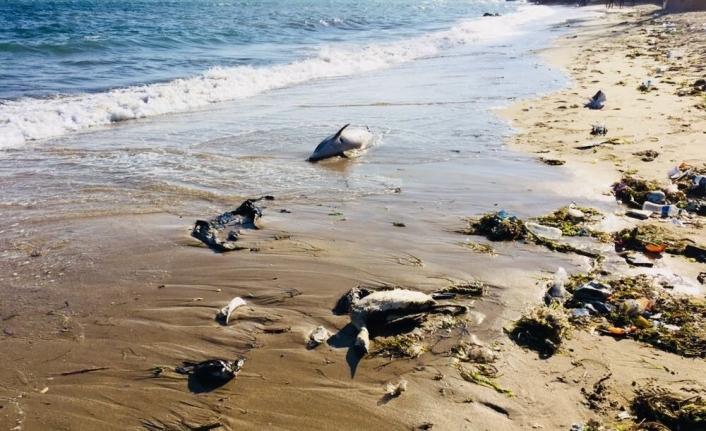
x,y
655,248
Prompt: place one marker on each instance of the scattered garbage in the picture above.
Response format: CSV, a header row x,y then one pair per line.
x,y
570,220
597,101
639,214
245,216
498,226
641,307
557,292
213,371
663,210
599,130
651,238
226,311
543,231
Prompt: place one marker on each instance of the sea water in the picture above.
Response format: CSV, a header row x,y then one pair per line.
x,y
111,107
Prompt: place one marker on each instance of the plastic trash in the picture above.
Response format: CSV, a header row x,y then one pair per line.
x,y
543,231
677,172
663,210
593,290
575,213
636,307
656,196
580,312
557,292
642,323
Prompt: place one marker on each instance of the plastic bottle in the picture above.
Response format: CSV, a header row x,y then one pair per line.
x,y
700,180
543,231
663,210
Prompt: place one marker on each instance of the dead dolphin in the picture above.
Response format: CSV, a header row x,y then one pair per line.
x,y
343,141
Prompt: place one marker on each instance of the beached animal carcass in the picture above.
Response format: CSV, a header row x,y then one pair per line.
x,y
342,143
367,307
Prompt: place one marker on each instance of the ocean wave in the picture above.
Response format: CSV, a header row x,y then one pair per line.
x,y
34,119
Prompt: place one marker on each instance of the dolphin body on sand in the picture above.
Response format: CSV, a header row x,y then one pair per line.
x,y
344,140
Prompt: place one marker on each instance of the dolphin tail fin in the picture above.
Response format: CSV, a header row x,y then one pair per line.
x,y
340,131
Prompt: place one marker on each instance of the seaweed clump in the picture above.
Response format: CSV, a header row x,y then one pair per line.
x,y
541,329
670,323
498,227
634,188
671,410
571,225
641,237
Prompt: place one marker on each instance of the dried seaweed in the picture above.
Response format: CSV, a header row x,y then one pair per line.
x,y
639,237
671,410
541,329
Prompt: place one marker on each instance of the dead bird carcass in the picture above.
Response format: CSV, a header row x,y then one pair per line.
x,y
245,216
386,307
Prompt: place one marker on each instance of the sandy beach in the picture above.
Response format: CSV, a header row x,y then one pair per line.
x,y
94,328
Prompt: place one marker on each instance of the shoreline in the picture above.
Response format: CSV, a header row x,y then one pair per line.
x,y
139,294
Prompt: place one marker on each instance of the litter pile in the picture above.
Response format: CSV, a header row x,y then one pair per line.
x,y
684,193
567,221
632,307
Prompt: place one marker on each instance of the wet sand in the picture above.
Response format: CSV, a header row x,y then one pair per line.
x,y
84,321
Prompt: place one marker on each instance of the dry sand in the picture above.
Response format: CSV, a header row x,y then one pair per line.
x,y
84,322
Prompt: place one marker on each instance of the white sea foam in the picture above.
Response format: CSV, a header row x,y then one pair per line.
x,y
32,119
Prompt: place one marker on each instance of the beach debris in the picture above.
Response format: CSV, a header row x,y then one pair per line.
x,y
634,190
470,288
599,130
502,227
212,371
570,220
245,216
389,308
696,253
474,353
597,101
318,337
499,226
638,214
541,329
675,412
483,375
645,309
552,162
647,155
651,238
396,389
557,292
539,230
228,310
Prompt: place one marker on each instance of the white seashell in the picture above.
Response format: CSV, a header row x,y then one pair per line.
x,y
228,309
